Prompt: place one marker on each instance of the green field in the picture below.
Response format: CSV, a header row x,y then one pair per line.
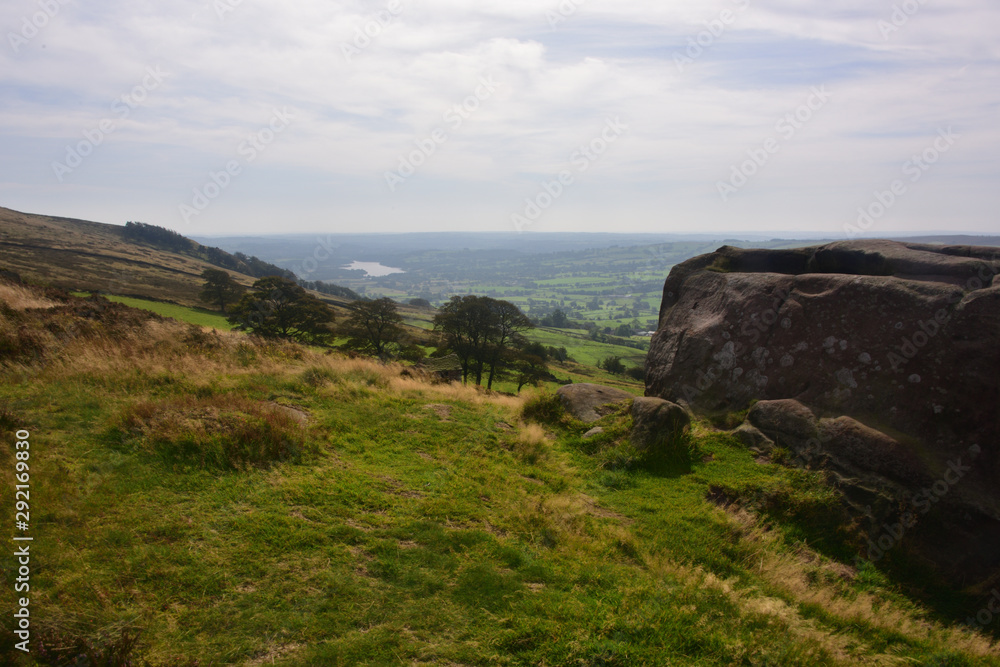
x,y
197,316
583,350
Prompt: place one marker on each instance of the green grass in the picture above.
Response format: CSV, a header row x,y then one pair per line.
x,y
199,316
584,350
423,525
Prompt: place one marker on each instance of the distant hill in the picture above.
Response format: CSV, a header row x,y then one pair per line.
x,y
132,260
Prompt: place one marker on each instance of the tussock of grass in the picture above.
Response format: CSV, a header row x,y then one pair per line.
x,y
21,297
544,408
216,432
532,444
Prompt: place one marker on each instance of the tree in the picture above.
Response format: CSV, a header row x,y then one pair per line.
x,y
373,326
536,349
559,320
528,369
278,308
612,365
558,353
624,330
481,330
636,373
160,237
507,323
331,289
220,288
463,322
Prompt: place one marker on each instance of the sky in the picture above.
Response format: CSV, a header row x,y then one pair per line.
x,y
848,119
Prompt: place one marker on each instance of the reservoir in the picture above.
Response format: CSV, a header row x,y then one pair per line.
x,y
373,269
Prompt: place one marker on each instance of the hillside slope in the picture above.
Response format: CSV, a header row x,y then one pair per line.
x,y
97,257
208,498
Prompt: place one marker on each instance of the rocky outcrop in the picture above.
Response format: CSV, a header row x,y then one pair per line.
x,y
883,355
589,402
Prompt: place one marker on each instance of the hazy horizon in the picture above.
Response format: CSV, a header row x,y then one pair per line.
x,y
731,117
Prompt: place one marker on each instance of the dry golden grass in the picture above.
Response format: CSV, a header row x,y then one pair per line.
x,y
208,356
807,577
531,444
20,297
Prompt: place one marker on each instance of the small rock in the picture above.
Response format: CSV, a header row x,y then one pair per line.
x,y
658,424
587,402
597,430
783,418
751,438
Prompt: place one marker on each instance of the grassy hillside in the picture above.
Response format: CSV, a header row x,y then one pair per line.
x,y
585,353
201,497
199,316
96,257
584,350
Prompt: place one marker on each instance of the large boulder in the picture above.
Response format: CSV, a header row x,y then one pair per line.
x,y
589,402
882,355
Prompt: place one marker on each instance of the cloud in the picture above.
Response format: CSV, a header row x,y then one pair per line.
x,y
368,81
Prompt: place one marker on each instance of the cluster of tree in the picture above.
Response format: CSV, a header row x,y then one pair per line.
x,y
276,307
557,320
220,289
539,350
528,369
331,289
258,268
375,328
615,366
167,239
625,330
161,237
486,335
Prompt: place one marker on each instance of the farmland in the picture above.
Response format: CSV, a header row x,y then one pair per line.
x,y
600,282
